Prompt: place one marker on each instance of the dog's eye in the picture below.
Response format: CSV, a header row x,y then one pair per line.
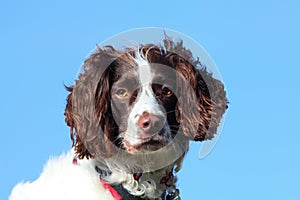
x,y
121,93
167,92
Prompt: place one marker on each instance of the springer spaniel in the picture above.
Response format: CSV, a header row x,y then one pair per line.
x,y
131,115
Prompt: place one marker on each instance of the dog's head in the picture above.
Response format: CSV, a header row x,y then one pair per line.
x,y
140,99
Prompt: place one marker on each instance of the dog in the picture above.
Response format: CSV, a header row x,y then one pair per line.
x,y
132,114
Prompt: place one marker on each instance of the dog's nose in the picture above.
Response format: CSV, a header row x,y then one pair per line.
x,y
150,123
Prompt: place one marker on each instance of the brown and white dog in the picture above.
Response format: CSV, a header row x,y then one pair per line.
x,y
131,115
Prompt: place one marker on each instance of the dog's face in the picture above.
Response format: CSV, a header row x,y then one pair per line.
x,y
139,100
143,105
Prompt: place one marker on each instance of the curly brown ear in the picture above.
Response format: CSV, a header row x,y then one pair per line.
x,y
80,149
212,102
201,98
88,112
202,103
68,113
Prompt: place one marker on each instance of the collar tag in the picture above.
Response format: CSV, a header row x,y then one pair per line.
x,y
174,195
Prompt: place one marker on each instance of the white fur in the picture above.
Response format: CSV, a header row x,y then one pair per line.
x,y
62,180
144,70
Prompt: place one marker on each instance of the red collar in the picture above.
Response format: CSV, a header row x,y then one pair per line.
x,y
112,191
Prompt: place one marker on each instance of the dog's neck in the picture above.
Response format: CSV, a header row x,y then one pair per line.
x,y
148,185
156,170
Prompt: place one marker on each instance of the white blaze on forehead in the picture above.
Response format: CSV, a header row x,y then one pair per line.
x,y
146,100
144,70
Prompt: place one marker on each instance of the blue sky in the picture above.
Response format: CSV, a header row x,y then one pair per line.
x,y
255,44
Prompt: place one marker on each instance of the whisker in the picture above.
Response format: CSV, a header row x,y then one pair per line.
x,y
170,111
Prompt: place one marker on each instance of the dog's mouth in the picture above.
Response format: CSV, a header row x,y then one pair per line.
x,y
146,145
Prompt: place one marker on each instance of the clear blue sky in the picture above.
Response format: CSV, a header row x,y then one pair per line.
x,y
255,44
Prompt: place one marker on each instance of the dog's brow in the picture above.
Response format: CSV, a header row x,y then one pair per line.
x,y
129,82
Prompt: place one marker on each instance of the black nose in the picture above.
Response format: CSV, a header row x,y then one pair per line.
x,y
150,123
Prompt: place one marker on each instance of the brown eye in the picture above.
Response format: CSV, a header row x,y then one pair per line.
x,y
121,93
167,92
